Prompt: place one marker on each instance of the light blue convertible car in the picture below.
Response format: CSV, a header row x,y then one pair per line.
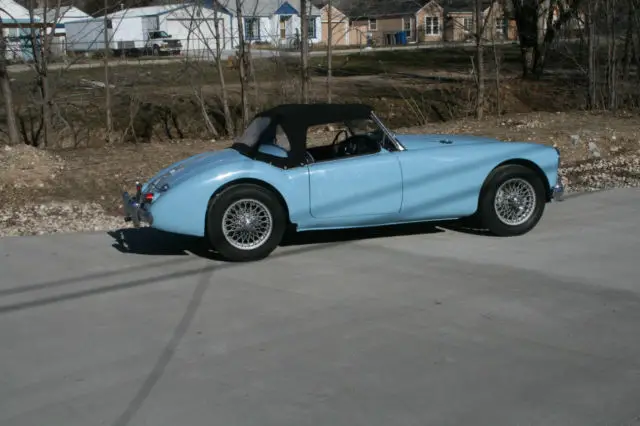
x,y
273,178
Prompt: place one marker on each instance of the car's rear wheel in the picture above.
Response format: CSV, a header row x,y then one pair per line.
x,y
513,201
245,222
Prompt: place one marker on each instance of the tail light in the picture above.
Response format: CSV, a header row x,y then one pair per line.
x,y
148,197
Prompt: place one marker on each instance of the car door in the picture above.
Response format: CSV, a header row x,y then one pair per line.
x,y
365,185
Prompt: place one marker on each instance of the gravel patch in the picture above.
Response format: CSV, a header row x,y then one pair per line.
x,y
57,217
595,175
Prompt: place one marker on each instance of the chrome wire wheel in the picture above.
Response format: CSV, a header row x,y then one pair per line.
x,y
515,201
247,224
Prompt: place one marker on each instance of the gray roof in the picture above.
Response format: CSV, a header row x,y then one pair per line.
x,y
376,8
266,7
463,5
391,8
66,12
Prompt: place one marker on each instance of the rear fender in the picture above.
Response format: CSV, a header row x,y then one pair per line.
x,y
183,209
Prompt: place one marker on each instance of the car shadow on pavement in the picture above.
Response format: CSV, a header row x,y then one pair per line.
x,y
153,242
355,234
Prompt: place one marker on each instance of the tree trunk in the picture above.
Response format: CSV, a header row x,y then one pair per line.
x,y
304,52
242,67
591,57
5,89
535,39
107,90
628,42
612,59
329,49
228,118
479,61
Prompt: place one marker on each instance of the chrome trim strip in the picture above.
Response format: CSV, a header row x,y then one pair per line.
x,y
388,132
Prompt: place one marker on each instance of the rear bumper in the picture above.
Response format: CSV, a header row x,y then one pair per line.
x,y
557,192
135,211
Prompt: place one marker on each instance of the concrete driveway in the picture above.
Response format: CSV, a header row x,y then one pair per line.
x,y
377,328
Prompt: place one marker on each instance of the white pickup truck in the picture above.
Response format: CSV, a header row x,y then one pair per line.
x,y
134,35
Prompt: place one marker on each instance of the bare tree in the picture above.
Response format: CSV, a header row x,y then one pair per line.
x,y
304,51
5,89
242,63
537,29
107,90
329,49
228,118
41,49
479,36
612,53
195,29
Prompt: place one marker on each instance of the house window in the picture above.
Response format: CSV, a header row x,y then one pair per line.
x,y
312,27
406,24
467,24
432,25
373,24
251,28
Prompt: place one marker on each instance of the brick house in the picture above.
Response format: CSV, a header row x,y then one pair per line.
x,y
381,20
378,21
460,21
344,32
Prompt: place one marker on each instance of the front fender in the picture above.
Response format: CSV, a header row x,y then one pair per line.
x,y
183,209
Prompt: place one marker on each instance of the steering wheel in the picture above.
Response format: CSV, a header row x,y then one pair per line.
x,y
346,135
347,147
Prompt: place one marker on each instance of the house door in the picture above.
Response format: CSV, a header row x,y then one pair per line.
x,y
283,26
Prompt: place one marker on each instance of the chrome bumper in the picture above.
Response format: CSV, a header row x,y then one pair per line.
x,y
135,211
557,192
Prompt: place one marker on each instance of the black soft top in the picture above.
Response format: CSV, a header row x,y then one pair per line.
x,y
295,120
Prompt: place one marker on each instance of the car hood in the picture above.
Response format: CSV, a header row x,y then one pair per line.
x,y
192,166
426,141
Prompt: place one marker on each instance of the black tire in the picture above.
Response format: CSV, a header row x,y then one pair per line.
x,y
487,213
258,196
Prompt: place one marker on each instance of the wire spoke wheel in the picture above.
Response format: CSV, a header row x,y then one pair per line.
x,y
515,201
247,224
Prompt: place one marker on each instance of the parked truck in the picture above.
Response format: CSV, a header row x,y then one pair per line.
x,y
127,35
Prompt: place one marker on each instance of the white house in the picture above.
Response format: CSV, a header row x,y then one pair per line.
x,y
65,14
17,23
276,22
16,18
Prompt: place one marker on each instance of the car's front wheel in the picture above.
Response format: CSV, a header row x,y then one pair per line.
x,y
245,222
513,201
